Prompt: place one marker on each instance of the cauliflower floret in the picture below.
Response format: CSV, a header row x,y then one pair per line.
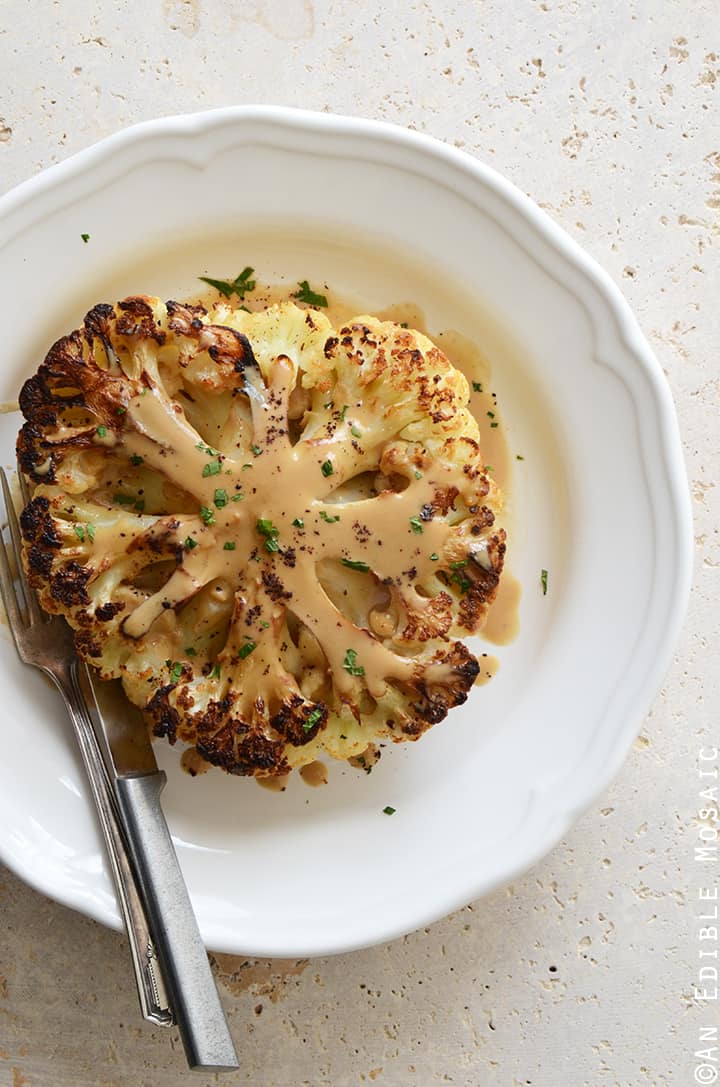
x,y
269,529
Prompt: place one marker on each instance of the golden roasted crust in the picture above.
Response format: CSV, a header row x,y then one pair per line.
x,y
270,529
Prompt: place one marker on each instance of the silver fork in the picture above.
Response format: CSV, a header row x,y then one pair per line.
x,y
46,642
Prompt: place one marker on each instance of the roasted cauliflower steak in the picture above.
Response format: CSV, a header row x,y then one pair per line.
x,y
273,531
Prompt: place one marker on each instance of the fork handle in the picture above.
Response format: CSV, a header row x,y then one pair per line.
x,y
150,986
193,993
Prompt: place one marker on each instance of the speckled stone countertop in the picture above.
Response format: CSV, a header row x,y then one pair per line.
x,y
585,971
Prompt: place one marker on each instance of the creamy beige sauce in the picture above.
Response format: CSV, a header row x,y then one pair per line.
x,y
314,773
488,668
275,784
503,621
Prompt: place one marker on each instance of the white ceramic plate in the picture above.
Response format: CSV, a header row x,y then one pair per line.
x,y
600,501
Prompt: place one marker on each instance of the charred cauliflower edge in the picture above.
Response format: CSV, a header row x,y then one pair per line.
x,y
269,529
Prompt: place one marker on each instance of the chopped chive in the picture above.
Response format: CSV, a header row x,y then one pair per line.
x,y
434,557
272,545
220,498
416,525
121,410
490,414
326,468
135,459
123,499
206,449
246,466
493,425
85,238
90,529
265,527
356,432
313,719
544,581
459,564
80,533
207,515
215,674
349,663
212,468
101,431
519,456
139,505
463,582
418,475
388,810
343,413
353,565
176,671
477,387
256,449
299,523
190,652
327,518
327,405
190,543
229,545
237,498
245,650
264,625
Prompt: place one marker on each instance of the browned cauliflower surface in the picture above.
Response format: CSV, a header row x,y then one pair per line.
x,y
269,529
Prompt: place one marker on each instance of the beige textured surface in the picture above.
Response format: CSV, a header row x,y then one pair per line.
x,y
583,972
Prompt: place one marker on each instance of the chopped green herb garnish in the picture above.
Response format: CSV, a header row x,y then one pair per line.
x,y
256,449
326,468
220,498
434,557
265,527
313,719
350,665
101,431
206,449
190,652
418,475
416,525
124,499
121,410
215,674
477,387
459,564
85,238
207,515
327,518
493,425
309,296
343,413
489,468
246,466
404,324
518,456
176,671
353,565
90,529
237,498
490,414
245,650
461,580
229,545
239,286
139,505
135,459
388,810
356,432
80,533
272,545
264,625
299,523
544,581
212,468
327,405
190,543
